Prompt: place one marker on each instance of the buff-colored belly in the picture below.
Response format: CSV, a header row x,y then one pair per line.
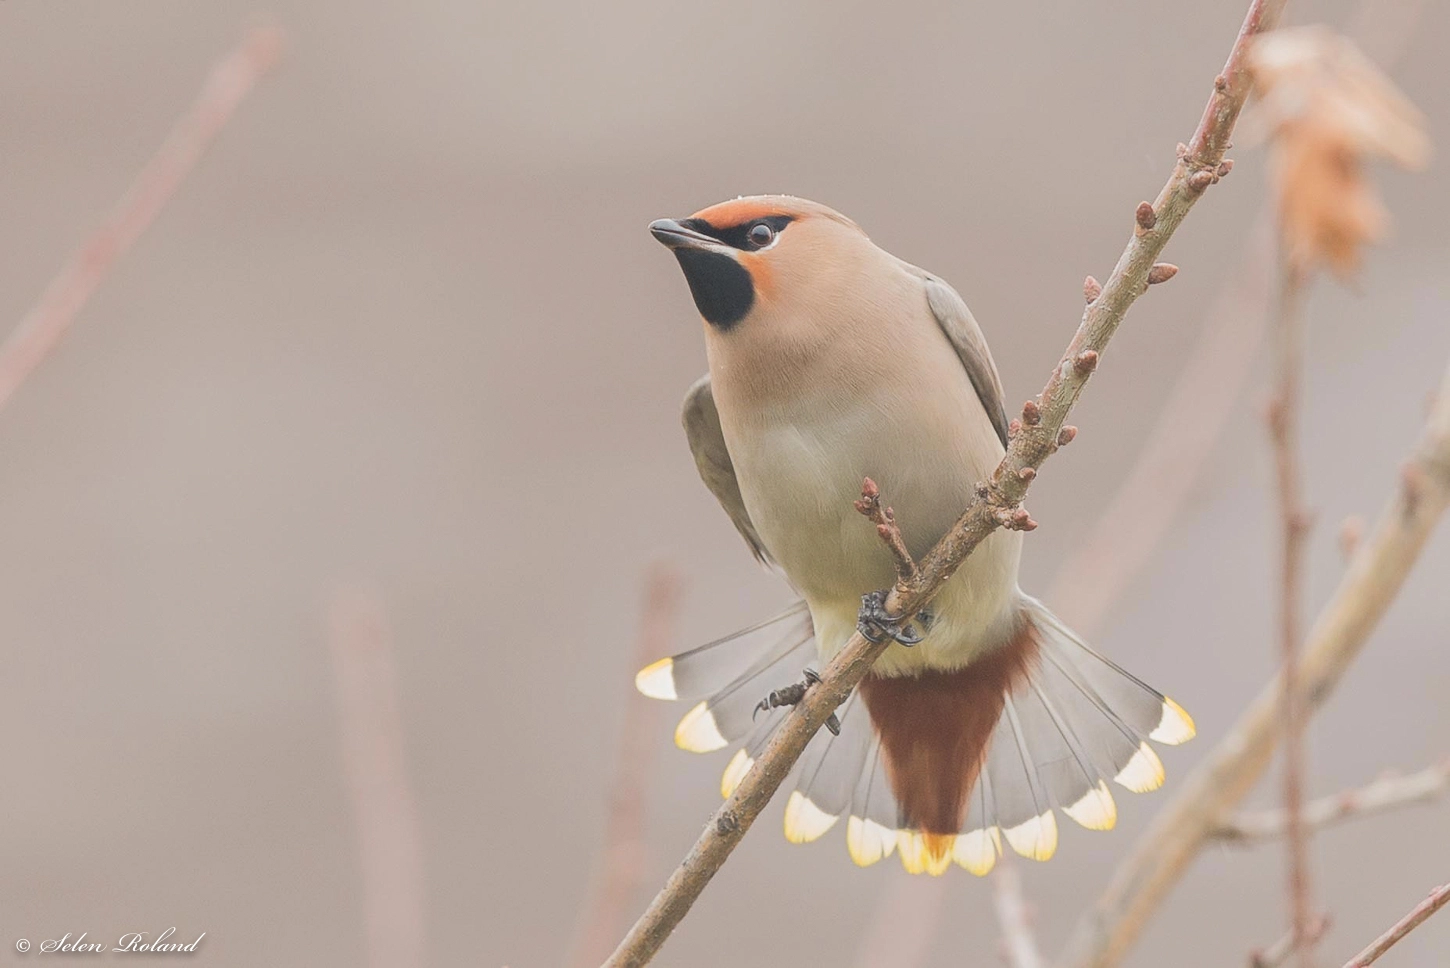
x,y
799,477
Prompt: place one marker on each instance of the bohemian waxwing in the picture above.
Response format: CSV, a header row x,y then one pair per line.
x,y
830,361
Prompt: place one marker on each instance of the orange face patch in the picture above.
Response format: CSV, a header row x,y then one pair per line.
x,y
760,273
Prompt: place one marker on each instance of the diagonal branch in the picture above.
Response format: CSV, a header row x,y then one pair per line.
x,y
1386,793
997,503
41,329
1438,898
1374,577
622,864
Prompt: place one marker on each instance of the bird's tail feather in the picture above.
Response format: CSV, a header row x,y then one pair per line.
x,y
729,676
942,766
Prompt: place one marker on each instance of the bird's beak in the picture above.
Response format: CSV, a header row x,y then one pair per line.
x,y
676,236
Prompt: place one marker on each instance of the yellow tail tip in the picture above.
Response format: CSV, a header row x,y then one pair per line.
x,y
657,680
1175,726
697,731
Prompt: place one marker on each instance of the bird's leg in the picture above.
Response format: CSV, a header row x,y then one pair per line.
x,y
876,624
793,694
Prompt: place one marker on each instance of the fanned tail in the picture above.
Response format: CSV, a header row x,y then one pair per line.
x,y
1064,721
943,766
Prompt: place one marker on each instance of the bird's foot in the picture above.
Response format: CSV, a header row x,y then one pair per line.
x,y
793,694
876,624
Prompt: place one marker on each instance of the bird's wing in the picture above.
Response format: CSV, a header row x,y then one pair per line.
x,y
707,443
966,337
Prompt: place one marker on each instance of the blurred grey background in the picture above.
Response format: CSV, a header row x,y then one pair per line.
x,y
404,328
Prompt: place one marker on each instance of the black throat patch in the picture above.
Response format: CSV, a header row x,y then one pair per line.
x,y
721,286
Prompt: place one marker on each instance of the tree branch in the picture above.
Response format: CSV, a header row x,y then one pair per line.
x,y
41,329
869,506
621,866
1018,942
1283,419
1438,898
385,811
997,504
1386,793
1369,585
1282,950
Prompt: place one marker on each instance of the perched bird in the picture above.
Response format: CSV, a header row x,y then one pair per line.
x,y
832,360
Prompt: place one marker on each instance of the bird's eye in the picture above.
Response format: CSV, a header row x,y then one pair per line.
x,y
761,235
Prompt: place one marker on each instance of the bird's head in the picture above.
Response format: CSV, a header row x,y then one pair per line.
x,y
761,255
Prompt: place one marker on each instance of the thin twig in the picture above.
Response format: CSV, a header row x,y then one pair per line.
x,y
1019,945
998,502
1234,765
622,864
386,817
1438,898
1282,950
1386,793
230,81
869,506
1283,419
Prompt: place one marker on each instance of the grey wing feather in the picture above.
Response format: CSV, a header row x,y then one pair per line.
x,y
707,443
966,337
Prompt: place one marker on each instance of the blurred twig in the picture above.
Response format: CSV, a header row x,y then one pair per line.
x,y
371,728
1372,580
621,867
1385,793
1438,898
1283,419
230,81
1019,945
1039,433
1282,950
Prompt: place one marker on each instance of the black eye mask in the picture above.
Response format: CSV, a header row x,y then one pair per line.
x,y
738,236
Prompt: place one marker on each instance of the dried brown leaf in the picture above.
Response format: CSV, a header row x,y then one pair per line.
x,y
1328,110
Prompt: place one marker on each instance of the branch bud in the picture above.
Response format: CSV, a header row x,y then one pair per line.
x,y
1017,520
1031,414
1091,289
1065,435
1161,272
1147,218
1085,362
